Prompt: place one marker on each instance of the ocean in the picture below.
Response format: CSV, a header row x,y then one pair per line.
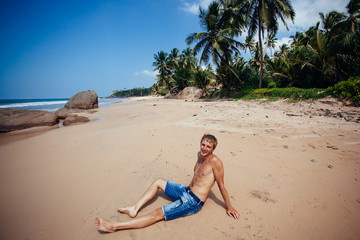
x,y
50,105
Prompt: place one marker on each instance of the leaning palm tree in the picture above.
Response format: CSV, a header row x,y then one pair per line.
x,y
263,15
217,41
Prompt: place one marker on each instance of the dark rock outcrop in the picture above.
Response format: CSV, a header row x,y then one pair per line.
x,y
17,119
63,113
190,93
83,100
75,119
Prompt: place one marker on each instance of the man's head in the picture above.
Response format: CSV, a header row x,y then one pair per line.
x,y
211,139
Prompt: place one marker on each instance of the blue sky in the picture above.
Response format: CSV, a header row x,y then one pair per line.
x,y
54,49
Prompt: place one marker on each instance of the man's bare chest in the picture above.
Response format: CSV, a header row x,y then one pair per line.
x,y
203,170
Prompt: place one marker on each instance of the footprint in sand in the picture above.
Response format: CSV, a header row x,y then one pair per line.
x,y
312,146
264,196
333,147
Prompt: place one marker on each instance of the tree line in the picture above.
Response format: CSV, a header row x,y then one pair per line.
x,y
325,54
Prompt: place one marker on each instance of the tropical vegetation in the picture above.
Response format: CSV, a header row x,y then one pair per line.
x,y
319,58
131,92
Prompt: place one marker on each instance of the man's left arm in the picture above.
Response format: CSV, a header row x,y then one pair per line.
x,y
219,178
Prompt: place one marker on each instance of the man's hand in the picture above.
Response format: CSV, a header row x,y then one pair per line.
x,y
233,213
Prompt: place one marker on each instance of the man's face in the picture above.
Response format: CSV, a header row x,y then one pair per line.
x,y
206,148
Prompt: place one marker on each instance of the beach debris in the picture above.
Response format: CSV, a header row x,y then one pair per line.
x,y
83,100
17,119
330,166
293,115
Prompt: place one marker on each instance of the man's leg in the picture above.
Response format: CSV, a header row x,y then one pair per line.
x,y
132,211
140,222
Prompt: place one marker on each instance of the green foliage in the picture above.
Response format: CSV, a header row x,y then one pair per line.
x,y
135,92
293,93
271,84
163,91
273,94
349,89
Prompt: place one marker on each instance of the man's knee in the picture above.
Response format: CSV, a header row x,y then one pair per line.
x,y
158,214
160,183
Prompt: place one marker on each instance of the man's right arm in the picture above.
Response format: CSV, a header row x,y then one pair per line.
x,y
218,169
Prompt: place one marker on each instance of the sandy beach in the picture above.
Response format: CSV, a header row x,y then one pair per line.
x,y
290,173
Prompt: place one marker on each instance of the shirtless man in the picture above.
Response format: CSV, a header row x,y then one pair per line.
x,y
188,200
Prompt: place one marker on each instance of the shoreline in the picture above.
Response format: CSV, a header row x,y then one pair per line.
x,y
334,104
290,174
17,135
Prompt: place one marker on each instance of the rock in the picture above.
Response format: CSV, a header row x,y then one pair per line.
x,y
75,119
190,93
83,100
63,113
170,96
16,119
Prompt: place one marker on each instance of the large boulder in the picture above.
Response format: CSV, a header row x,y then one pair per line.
x,y
190,93
16,119
83,100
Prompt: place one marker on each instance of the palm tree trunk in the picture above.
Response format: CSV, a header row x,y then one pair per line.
x,y
230,69
261,55
267,43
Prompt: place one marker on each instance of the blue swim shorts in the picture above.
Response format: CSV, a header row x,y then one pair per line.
x,y
186,202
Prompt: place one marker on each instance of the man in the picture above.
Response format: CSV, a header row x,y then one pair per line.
x,y
188,200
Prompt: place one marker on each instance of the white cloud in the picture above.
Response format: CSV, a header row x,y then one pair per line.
x,y
193,6
284,40
307,13
147,73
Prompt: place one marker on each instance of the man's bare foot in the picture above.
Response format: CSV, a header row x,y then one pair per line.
x,y
104,225
129,211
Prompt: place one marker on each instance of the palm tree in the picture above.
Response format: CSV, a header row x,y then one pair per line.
x,y
270,42
187,59
162,67
350,23
345,37
318,56
173,59
202,79
249,44
217,40
283,51
263,15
